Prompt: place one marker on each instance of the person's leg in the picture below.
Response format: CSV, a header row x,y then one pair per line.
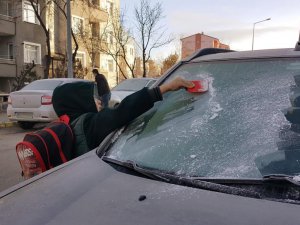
x,y
105,99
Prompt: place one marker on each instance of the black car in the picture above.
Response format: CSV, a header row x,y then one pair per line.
x,y
227,156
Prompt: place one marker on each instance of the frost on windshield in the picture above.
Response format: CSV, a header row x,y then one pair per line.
x,y
219,133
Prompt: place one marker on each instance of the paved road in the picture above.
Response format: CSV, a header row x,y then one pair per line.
x,y
10,170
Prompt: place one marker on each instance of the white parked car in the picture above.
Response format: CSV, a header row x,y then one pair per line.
x,y
33,103
127,87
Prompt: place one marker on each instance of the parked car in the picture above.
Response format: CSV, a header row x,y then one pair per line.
x,y
226,156
33,103
127,87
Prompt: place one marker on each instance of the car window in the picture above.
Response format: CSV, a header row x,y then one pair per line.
x,y
131,85
220,133
43,85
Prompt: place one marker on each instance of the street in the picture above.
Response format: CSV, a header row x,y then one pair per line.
x,y
10,170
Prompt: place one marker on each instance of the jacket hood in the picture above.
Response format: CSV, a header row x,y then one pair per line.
x,y
74,99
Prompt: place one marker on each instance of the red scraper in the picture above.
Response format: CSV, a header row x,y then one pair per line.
x,y
200,86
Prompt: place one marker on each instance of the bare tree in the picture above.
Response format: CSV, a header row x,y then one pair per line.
x,y
149,31
61,6
91,39
118,38
112,40
26,75
39,7
40,15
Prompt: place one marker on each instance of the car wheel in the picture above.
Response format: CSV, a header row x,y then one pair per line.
x,y
26,125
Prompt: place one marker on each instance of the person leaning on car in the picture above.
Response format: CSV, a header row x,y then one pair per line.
x,y
103,87
91,123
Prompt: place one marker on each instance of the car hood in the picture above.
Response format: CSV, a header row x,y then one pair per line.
x,y
90,191
120,94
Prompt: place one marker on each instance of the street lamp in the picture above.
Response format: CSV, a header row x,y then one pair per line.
x,y
254,28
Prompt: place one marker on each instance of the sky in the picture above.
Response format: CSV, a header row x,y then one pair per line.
x,y
231,21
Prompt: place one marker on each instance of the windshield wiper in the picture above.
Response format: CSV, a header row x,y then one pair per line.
x,y
153,174
281,178
183,180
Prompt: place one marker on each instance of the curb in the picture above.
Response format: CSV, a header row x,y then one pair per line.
x,y
7,124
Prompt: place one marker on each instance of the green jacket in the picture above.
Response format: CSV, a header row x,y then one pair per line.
x,y
91,127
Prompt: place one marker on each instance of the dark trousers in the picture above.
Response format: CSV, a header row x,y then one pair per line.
x,y
105,100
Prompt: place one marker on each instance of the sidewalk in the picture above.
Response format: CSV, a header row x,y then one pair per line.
x,y
4,122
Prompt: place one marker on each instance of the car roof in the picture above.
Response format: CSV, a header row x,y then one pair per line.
x,y
229,55
65,79
141,78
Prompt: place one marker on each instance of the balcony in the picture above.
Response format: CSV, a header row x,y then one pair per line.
x,y
7,67
91,11
7,25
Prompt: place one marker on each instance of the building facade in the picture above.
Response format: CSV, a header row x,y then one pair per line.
x,y
198,41
23,40
89,25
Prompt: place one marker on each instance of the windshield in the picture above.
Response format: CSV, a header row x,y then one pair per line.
x,y
223,133
43,85
131,85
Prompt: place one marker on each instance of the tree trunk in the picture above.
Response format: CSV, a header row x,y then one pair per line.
x,y
144,65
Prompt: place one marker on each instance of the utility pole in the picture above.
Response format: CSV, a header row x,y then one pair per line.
x,y
69,40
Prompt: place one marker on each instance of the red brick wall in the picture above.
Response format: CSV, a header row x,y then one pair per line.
x,y
197,41
188,45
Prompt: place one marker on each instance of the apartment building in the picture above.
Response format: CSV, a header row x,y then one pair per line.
x,y
96,16
130,56
197,41
23,40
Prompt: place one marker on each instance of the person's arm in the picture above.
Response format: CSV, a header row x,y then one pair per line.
x,y
141,101
175,85
130,108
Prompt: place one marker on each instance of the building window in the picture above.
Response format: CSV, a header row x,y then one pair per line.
x,y
10,51
29,14
95,29
6,8
96,59
111,37
216,44
77,24
110,65
95,2
110,8
131,51
80,57
32,52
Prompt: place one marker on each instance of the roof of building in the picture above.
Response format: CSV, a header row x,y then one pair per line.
x,y
202,34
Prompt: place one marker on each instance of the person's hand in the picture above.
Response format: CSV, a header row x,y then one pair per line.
x,y
175,85
98,104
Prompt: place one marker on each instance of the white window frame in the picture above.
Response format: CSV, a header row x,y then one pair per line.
x,y
75,29
25,16
103,63
83,58
110,7
6,8
38,60
110,69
